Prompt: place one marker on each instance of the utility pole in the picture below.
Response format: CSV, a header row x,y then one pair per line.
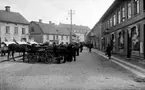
x,y
71,13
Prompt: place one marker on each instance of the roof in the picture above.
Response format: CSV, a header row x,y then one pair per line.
x,y
79,27
52,28
12,17
115,4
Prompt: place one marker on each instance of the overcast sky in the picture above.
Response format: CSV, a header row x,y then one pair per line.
x,y
86,12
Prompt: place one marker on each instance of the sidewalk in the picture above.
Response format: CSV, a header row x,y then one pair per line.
x,y
133,65
134,61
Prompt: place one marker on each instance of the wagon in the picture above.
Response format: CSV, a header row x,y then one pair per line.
x,y
45,54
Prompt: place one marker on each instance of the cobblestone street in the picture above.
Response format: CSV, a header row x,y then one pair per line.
x,y
90,71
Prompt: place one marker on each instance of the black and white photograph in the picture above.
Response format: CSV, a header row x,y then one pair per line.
x,y
72,44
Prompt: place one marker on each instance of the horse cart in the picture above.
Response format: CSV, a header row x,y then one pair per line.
x,y
45,54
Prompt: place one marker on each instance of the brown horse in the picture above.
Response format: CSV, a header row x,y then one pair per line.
x,y
12,48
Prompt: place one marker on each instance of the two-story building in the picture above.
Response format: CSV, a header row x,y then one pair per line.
x,y
123,26
13,26
78,30
94,36
48,32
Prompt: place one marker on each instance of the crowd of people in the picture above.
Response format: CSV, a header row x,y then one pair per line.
x,y
71,50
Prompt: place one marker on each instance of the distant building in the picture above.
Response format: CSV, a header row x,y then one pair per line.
x,y
13,26
94,36
78,30
48,32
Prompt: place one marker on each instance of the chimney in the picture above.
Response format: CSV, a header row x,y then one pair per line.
x,y
7,8
50,22
40,20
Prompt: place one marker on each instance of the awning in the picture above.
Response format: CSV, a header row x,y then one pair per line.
x,y
10,42
22,42
32,42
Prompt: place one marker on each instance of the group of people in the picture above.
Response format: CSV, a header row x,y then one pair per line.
x,y
71,50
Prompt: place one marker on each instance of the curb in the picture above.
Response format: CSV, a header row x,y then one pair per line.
x,y
140,72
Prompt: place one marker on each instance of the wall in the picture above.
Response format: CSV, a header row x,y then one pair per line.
x,y
12,35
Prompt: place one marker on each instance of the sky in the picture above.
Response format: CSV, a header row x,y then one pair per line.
x,y
85,12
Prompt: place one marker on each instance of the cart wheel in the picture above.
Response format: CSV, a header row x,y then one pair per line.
x,y
29,57
34,58
48,58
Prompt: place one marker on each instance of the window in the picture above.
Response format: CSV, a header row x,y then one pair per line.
x,y
32,29
23,31
114,19
16,30
66,37
57,37
136,6
119,17
110,22
129,10
62,37
7,29
53,37
123,14
47,37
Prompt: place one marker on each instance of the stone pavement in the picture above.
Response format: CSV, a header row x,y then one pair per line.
x,y
4,58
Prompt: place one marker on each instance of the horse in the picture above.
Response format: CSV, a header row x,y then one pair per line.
x,y
13,47
21,48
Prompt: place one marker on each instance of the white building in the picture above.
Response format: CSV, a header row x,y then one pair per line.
x,y
44,32
13,26
78,30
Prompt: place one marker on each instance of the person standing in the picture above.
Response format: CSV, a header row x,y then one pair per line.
x,y
108,51
73,52
77,49
81,47
90,47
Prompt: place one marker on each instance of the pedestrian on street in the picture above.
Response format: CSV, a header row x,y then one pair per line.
x,y
81,47
90,47
73,53
77,49
108,51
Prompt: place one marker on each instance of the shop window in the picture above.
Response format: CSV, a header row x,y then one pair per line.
x,y
121,41
135,33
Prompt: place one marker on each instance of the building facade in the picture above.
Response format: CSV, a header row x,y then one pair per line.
x,y
94,36
123,26
13,26
43,32
79,31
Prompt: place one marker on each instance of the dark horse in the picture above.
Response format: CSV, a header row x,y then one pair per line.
x,y
12,48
